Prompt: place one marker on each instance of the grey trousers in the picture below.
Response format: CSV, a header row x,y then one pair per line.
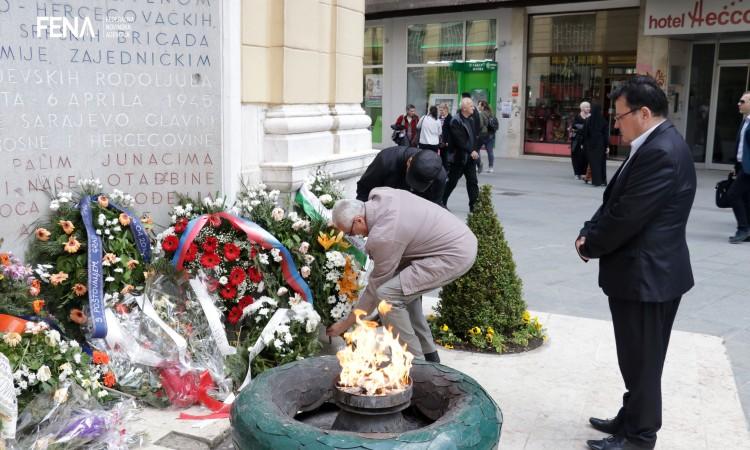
x,y
406,318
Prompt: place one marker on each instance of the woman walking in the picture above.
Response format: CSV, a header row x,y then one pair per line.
x,y
430,130
595,136
577,152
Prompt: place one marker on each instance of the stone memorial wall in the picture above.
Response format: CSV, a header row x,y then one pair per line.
x,y
127,91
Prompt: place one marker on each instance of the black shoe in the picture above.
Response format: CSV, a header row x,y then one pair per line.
x,y
739,237
613,443
432,357
609,426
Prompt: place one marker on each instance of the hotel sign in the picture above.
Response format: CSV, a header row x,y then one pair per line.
x,y
695,16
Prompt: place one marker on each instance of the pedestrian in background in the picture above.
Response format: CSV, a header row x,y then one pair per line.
x,y
463,142
738,194
430,130
409,123
446,153
488,127
577,152
595,136
476,126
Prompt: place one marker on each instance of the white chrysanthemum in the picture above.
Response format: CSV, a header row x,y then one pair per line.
x,y
277,214
263,258
282,291
305,271
304,247
54,205
44,374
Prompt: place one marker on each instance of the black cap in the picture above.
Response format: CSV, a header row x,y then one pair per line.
x,y
424,169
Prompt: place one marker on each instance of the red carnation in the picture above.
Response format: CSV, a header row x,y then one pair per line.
x,y
231,251
214,220
180,226
246,301
170,243
255,275
236,276
253,252
210,244
228,292
234,315
210,260
191,252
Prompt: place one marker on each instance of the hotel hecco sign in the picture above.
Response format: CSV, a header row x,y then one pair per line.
x,y
695,16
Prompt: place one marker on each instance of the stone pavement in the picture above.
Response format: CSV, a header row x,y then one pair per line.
x,y
542,208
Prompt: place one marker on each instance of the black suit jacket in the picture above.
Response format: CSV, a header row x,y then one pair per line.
x,y
638,232
389,169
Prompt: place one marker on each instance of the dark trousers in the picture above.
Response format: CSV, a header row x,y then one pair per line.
x,y
579,160
642,333
468,170
738,196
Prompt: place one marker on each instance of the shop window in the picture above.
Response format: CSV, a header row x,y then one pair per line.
x,y
701,79
435,42
430,85
734,50
574,58
480,40
373,80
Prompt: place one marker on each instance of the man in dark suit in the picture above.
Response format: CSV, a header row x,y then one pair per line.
x,y
738,194
418,171
462,140
638,234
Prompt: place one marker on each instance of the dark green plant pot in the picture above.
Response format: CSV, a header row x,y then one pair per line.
x,y
462,414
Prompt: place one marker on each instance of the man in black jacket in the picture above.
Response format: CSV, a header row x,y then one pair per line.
x,y
418,171
638,233
739,192
462,142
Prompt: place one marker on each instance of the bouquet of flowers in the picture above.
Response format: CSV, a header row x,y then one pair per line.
x,y
329,263
327,189
17,284
243,262
42,360
88,253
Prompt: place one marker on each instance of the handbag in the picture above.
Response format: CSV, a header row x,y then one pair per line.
x,y
722,187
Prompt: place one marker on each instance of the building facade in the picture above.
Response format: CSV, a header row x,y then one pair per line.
x,y
552,56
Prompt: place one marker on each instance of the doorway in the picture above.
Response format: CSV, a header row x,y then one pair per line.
x,y
731,81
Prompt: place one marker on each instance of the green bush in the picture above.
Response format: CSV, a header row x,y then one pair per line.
x,y
489,296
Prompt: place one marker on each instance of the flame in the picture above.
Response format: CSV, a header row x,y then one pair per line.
x,y
373,363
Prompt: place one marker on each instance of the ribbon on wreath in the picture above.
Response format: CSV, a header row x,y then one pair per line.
x,y
219,410
94,253
315,209
255,233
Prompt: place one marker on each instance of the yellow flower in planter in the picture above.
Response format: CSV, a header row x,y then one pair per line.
x,y
526,316
445,328
475,331
537,324
448,346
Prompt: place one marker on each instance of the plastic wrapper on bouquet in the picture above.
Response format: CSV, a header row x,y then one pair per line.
x,y
69,418
162,343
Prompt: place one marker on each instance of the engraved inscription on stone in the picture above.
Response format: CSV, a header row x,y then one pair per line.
x,y
127,91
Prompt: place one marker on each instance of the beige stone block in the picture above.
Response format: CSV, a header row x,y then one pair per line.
x,y
262,22
301,76
355,5
301,22
260,69
350,28
348,79
326,37
326,82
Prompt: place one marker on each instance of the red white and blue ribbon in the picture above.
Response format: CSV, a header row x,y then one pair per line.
x,y
94,250
255,233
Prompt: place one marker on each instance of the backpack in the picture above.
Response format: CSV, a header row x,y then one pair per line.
x,y
492,124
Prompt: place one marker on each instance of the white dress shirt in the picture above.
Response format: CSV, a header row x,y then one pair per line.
x,y
742,139
637,142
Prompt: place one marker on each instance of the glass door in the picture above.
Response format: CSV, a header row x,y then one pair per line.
x,y
732,81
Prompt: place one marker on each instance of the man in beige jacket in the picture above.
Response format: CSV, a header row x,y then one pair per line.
x,y
416,246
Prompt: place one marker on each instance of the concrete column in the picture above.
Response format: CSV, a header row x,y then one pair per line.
x,y
302,89
652,57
